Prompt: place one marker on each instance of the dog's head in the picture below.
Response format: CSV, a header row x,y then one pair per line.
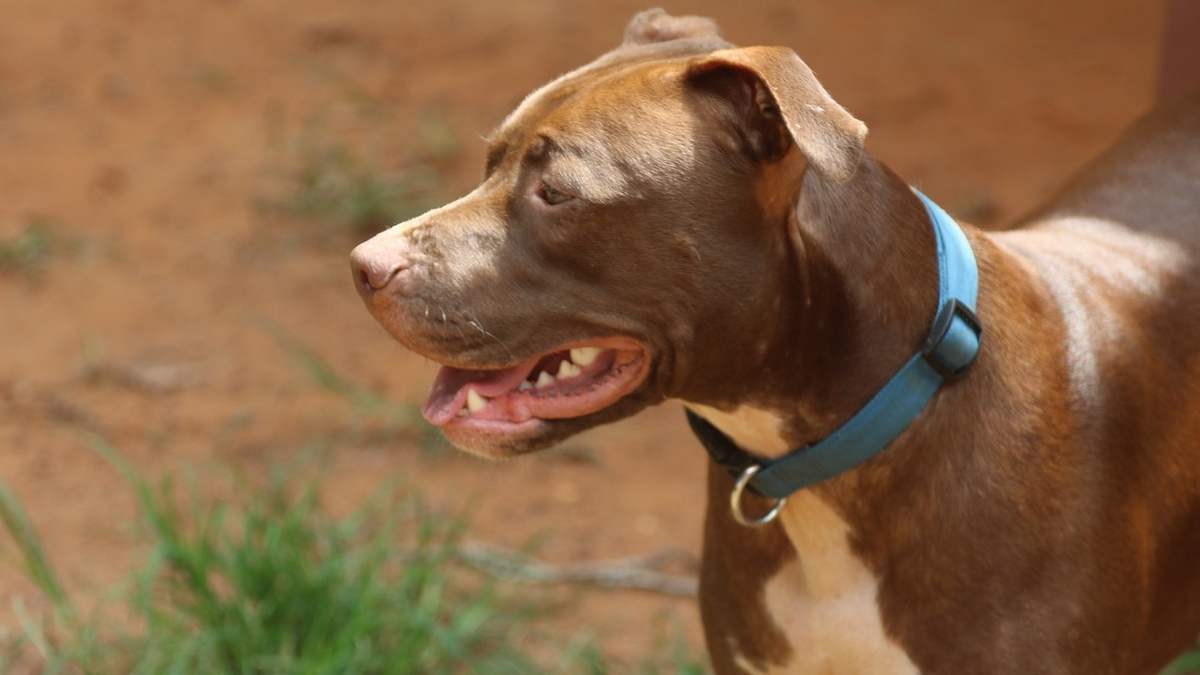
x,y
632,212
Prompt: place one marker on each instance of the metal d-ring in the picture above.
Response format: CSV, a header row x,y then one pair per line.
x,y
735,501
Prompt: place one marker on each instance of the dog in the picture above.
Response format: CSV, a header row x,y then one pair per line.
x,y
685,219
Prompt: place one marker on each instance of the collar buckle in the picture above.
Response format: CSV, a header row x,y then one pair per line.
x,y
953,341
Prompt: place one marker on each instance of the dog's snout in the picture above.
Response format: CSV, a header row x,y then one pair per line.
x,y
375,265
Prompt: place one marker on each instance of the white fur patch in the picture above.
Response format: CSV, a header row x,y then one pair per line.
x,y
1095,270
757,431
825,603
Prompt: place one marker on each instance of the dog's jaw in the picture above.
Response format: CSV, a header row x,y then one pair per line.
x,y
507,440
508,411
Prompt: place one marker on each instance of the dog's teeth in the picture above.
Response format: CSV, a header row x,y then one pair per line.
x,y
567,369
585,356
475,402
463,412
545,380
525,385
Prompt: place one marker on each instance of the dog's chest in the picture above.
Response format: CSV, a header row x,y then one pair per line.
x,y
824,603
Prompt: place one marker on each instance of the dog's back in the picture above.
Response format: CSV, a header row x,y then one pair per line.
x,y
1149,180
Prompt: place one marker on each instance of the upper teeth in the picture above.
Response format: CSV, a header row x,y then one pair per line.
x,y
585,356
568,369
581,357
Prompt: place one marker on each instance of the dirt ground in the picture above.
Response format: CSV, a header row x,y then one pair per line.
x,y
150,135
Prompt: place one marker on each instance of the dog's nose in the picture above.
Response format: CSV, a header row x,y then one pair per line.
x,y
374,266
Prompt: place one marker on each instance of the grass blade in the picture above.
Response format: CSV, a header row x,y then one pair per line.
x,y
32,554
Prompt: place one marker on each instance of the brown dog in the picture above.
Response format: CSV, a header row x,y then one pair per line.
x,y
683,219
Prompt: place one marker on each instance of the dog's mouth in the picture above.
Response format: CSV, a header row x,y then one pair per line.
x,y
572,381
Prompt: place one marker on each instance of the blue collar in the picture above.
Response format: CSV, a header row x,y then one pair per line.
x,y
948,351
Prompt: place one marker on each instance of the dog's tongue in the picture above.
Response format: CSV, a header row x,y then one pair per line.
x,y
448,393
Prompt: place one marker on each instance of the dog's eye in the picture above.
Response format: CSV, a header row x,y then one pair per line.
x,y
552,195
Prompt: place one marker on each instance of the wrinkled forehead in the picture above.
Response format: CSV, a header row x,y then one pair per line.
x,y
624,88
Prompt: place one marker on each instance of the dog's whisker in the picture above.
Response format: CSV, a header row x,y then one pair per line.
x,y
479,327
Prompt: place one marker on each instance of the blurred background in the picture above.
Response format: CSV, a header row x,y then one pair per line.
x,y
181,183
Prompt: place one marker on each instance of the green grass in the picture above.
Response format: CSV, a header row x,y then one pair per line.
x,y
348,191
322,375
268,582
1187,664
28,251
393,419
344,192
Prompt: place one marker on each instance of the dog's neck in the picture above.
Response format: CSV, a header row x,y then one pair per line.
x,y
859,300
858,297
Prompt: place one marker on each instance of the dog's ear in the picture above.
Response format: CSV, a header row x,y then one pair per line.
x,y
780,101
655,25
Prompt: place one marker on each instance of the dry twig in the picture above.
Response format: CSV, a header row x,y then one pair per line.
x,y
640,572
